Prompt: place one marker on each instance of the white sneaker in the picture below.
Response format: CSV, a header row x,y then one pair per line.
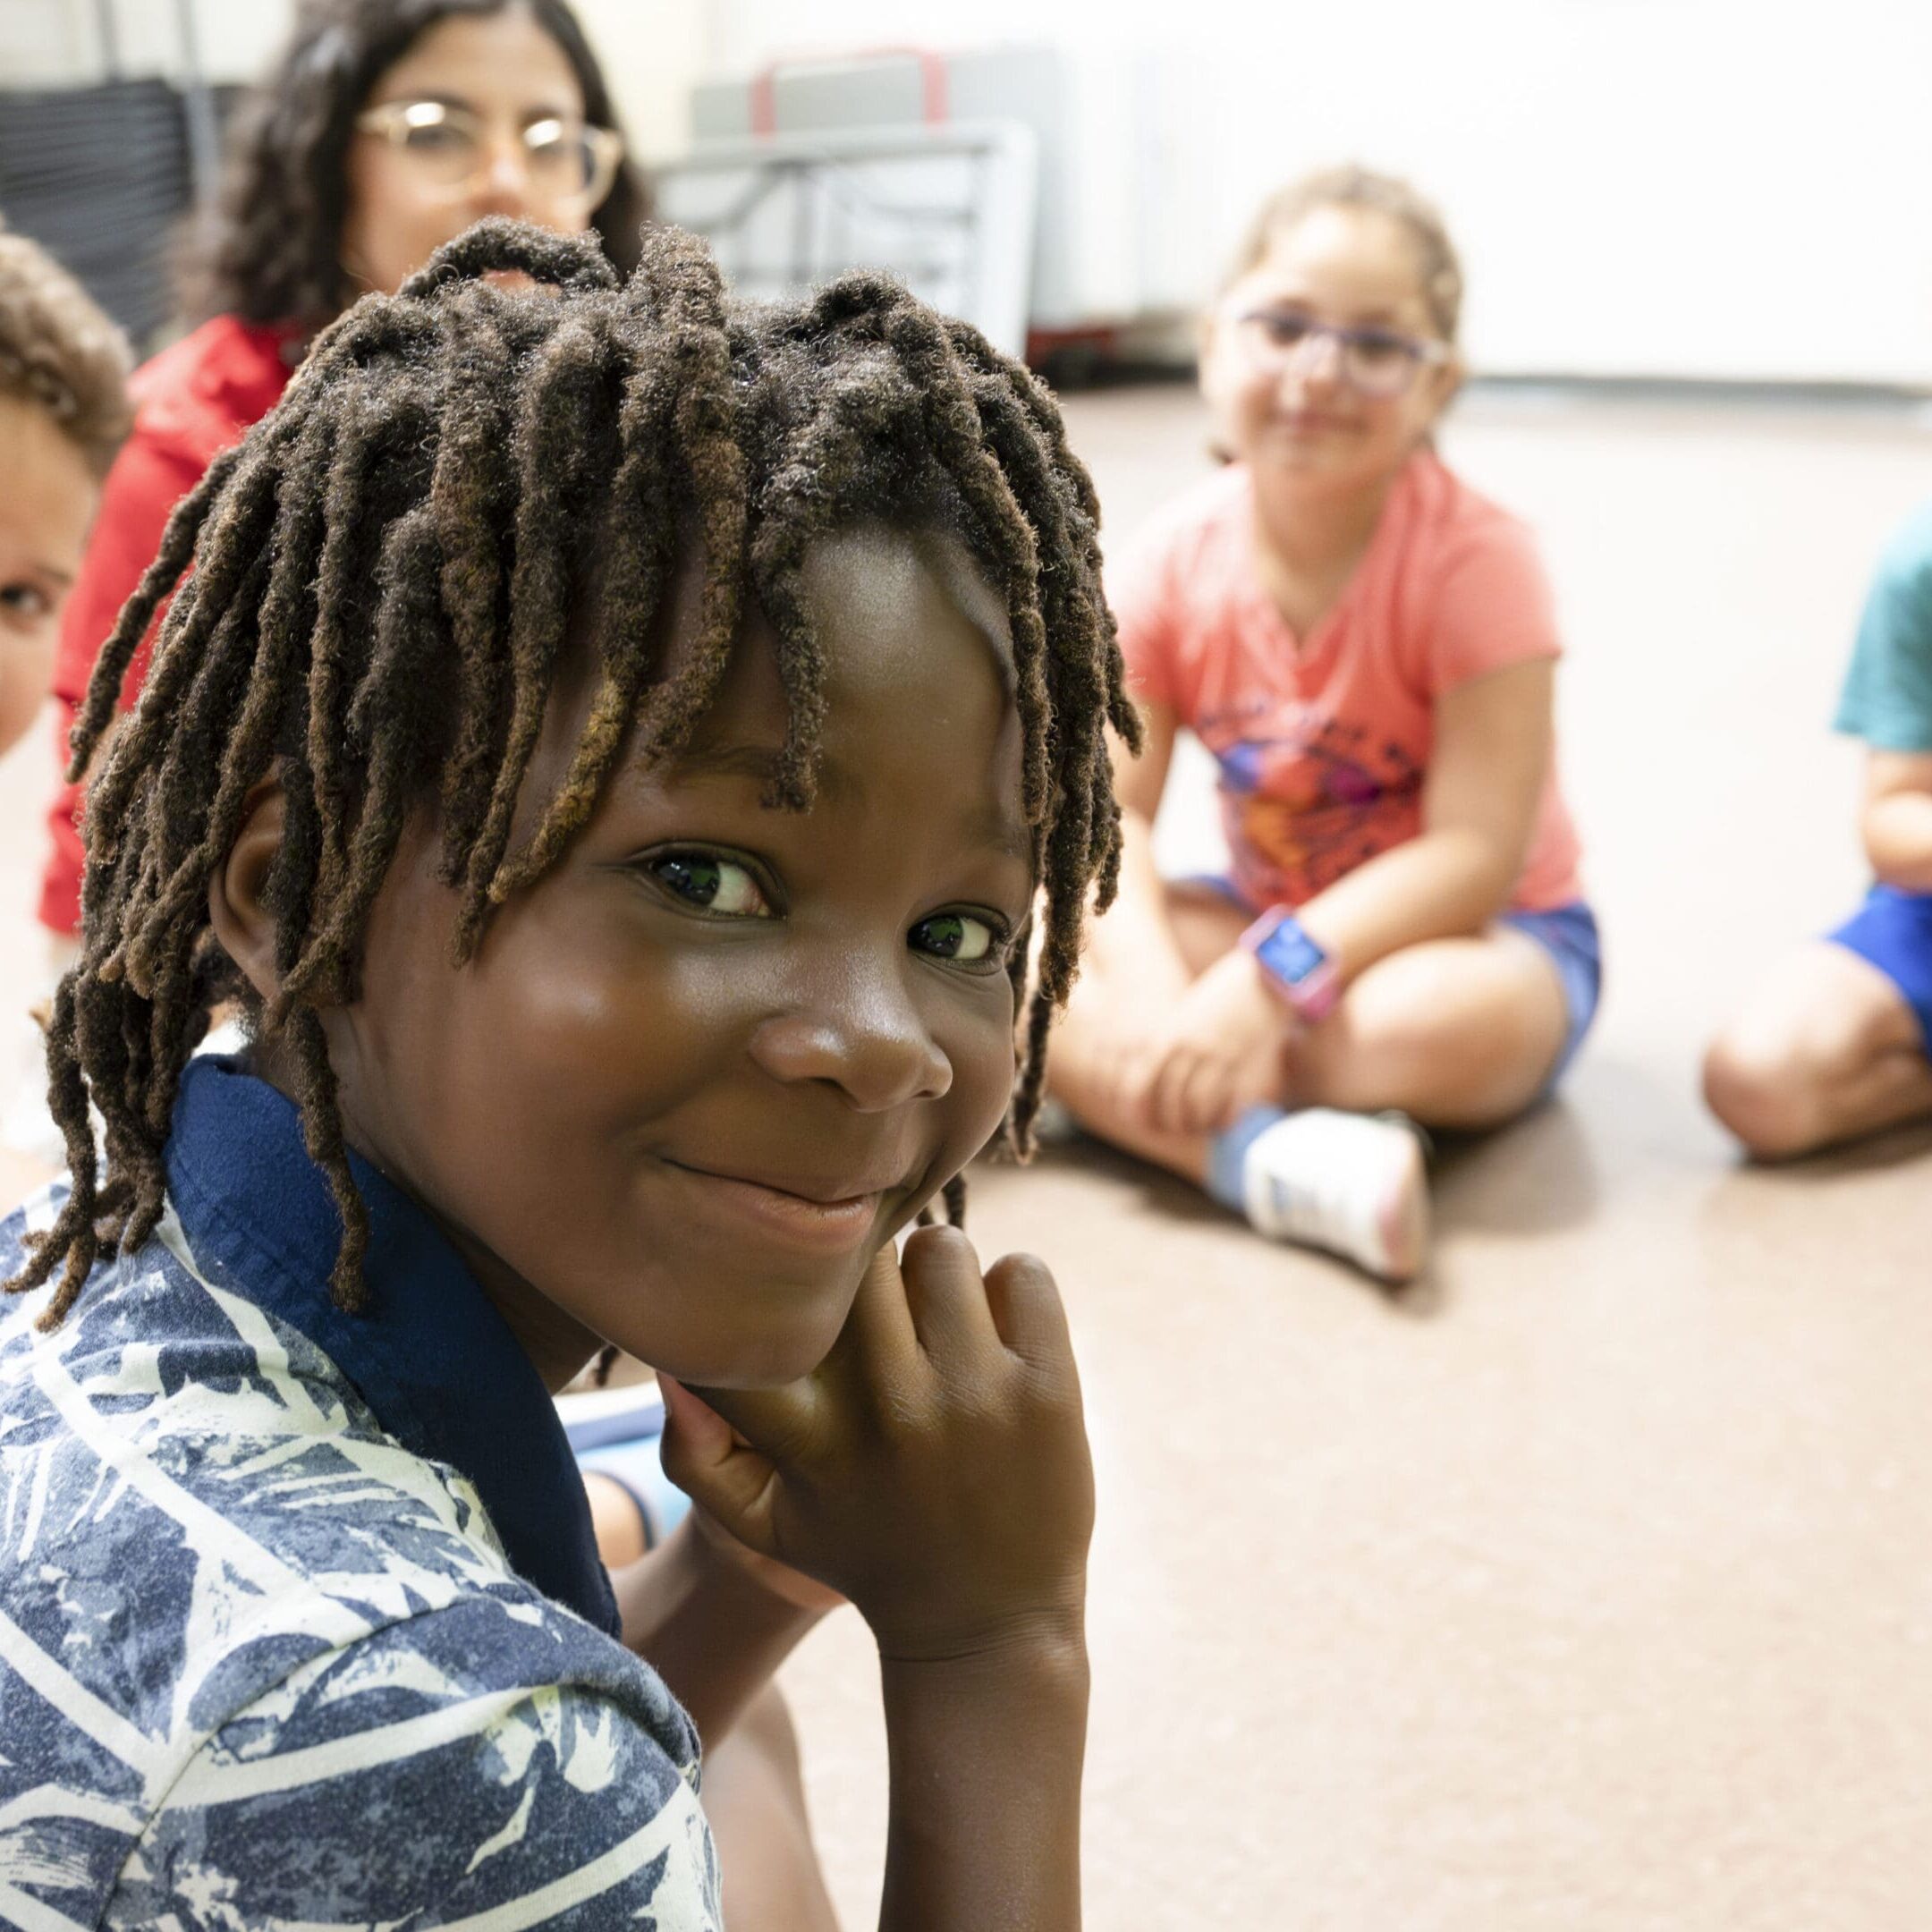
x,y
1353,1184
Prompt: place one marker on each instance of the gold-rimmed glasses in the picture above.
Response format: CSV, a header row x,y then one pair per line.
x,y
567,161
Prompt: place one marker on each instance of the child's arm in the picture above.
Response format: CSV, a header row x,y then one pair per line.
x,y
715,1621
1134,939
1493,737
933,1470
1897,821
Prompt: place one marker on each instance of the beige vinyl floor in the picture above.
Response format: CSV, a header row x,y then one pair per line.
x,y
1587,1585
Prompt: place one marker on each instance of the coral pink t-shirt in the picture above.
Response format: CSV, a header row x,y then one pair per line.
x,y
1323,746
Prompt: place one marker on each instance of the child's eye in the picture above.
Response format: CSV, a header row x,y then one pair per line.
x,y
24,600
1378,348
960,937
712,883
1283,326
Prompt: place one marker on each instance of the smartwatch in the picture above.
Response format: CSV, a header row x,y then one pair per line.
x,y
1295,966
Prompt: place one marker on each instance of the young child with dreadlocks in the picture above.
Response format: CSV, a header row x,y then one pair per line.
x,y
612,739
1367,647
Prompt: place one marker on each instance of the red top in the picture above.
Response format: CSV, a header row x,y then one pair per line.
x,y
191,402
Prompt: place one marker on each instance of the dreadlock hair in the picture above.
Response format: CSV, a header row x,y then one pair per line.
x,y
384,577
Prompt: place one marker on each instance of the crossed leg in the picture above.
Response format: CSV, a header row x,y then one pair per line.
x,y
1457,1033
1825,1050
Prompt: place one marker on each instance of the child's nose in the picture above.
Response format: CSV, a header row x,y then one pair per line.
x,y
1317,357
862,1033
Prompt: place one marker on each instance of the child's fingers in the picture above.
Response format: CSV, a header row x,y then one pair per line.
x,y
946,1297
1139,1080
879,1338
1166,1098
1026,1309
707,1459
1204,1097
776,1422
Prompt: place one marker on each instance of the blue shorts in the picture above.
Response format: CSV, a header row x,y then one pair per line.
x,y
1893,929
1567,933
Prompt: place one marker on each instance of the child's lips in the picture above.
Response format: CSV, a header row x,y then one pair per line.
x,y
1309,422
830,1214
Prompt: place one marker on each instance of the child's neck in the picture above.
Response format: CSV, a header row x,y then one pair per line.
x,y
1309,529
1309,540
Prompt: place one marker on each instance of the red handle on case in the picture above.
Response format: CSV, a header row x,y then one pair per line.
x,y
932,80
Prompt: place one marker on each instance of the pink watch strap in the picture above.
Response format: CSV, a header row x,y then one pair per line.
x,y
1313,997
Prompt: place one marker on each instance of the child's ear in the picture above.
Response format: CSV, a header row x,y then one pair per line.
x,y
238,907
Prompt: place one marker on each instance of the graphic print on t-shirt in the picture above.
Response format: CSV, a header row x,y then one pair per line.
x,y
1306,797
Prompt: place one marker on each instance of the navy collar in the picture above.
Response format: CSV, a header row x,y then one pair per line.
x,y
432,1356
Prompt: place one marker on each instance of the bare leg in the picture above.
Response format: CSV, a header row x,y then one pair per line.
x,y
1825,1050
615,1520
1453,1032
754,1795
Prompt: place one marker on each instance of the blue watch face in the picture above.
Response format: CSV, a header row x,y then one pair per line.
x,y
1288,954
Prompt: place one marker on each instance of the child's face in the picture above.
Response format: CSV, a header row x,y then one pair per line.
x,y
1298,416
702,1070
46,506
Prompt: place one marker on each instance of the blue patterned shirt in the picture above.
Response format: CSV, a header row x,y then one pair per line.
x,y
301,1622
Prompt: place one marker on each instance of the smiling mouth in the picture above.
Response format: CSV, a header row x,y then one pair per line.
x,y
818,1218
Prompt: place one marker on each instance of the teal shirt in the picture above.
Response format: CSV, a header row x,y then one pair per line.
x,y
1887,700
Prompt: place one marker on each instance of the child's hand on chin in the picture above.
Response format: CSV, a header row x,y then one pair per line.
x,y
794,1586
933,1469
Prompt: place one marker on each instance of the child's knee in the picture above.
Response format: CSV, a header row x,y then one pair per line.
x,y
1445,1076
1767,1095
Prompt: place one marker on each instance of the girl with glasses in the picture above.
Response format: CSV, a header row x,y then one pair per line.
x,y
1367,647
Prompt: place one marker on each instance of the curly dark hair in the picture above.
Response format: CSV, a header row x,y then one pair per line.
x,y
384,577
271,252
59,351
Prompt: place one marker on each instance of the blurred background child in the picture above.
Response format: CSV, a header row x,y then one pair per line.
x,y
62,413
1367,648
64,410
1833,1043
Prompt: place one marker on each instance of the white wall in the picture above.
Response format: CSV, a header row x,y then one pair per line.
x,y
1677,187
652,49
47,42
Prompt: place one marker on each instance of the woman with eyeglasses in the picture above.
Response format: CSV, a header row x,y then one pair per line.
x,y
1367,648
385,127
